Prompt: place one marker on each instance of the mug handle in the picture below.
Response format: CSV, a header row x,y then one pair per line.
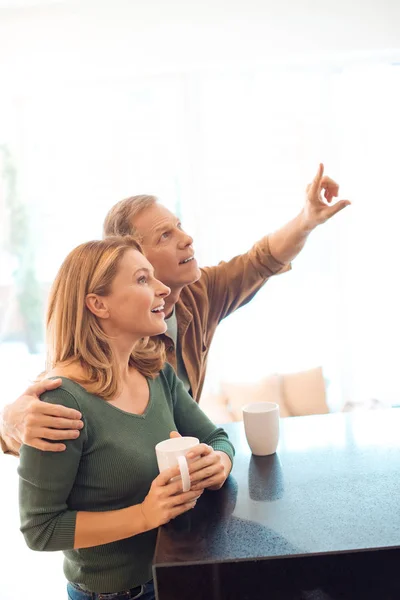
x,y
184,469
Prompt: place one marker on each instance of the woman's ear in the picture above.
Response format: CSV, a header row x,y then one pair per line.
x,y
98,306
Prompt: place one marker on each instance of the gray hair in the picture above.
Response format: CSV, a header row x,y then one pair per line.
x,y
119,218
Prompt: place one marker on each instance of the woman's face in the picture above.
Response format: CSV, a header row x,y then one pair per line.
x,y
135,303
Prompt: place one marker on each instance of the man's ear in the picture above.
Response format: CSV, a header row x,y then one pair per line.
x,y
98,306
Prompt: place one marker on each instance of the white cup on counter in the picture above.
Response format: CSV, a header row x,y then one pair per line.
x,y
261,425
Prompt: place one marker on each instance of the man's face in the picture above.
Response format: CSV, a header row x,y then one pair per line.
x,y
167,247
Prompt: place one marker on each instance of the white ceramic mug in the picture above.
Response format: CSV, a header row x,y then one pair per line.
x,y
173,452
261,425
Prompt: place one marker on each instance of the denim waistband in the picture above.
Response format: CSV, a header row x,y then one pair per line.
x,y
123,595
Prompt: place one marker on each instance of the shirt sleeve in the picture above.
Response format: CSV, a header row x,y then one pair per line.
x,y
190,420
233,284
45,482
5,449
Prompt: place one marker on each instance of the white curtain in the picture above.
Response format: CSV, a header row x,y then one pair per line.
x,y
260,137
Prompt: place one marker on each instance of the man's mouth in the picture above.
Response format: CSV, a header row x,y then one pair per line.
x,y
183,262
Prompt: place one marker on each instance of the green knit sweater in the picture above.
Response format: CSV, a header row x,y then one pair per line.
x,y
110,466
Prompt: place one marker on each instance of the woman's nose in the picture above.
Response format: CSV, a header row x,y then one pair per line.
x,y
163,290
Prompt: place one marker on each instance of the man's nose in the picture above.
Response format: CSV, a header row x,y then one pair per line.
x,y
185,240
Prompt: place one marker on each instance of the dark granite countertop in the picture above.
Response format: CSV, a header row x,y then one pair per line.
x,y
332,487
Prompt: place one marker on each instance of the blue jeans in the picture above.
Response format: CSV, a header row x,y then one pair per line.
x,y
145,593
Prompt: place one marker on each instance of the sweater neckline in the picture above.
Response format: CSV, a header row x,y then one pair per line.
x,y
124,412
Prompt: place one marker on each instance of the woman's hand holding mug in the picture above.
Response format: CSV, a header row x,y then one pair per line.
x,y
208,468
165,499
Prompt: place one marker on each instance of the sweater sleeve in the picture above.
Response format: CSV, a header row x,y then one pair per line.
x,y
45,482
190,419
233,284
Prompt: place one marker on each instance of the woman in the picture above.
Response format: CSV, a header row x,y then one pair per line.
x,y
102,500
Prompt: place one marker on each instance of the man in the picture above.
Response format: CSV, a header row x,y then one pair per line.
x,y
199,300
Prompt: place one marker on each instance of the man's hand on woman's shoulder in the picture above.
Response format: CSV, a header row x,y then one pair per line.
x,y
39,424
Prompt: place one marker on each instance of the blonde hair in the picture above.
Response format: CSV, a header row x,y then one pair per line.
x,y
74,333
119,218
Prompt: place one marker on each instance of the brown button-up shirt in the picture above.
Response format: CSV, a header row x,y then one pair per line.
x,y
218,293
